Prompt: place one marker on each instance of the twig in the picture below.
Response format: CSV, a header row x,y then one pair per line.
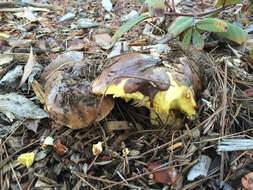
x,y
6,160
12,133
103,180
184,135
198,14
195,183
48,6
85,181
138,176
1,171
22,9
66,2
173,6
14,173
92,162
223,119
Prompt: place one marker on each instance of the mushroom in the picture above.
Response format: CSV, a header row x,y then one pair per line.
x,y
141,78
68,97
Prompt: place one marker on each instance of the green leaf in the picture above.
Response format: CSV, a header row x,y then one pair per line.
x,y
251,53
212,25
141,1
179,25
219,3
187,38
197,41
250,7
127,26
212,15
234,33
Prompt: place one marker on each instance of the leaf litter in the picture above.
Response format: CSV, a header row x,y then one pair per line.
x,y
124,150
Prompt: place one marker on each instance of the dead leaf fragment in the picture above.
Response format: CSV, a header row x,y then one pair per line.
x,y
28,14
247,181
97,148
103,40
5,59
31,124
173,175
11,79
118,125
21,107
45,179
26,159
4,35
200,169
39,92
164,176
59,147
248,93
28,68
49,141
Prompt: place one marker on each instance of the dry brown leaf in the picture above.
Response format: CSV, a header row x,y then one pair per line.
x,y
31,124
248,93
28,68
118,125
103,40
166,176
247,181
59,147
39,92
159,176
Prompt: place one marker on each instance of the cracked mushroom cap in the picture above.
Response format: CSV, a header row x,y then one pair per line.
x,y
68,97
141,78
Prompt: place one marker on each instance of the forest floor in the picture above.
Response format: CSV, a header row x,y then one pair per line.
x,y
124,150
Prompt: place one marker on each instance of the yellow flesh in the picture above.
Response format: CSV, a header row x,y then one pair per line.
x,y
175,98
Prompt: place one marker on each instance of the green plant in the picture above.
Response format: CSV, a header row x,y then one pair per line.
x,y
191,26
251,53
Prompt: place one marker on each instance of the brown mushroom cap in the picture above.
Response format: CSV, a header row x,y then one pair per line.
x,y
135,66
68,97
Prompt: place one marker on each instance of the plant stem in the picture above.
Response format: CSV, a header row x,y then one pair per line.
x,y
197,15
